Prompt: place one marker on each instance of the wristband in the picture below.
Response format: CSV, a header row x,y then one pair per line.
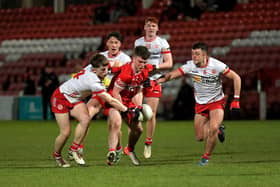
x,y
236,97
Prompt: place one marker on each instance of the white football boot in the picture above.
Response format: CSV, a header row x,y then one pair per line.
x,y
77,157
147,151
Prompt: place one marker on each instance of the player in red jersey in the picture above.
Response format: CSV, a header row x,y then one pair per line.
x,y
116,58
68,100
126,86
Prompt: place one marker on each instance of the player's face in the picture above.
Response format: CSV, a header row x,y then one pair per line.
x,y
101,72
113,45
139,63
199,57
151,28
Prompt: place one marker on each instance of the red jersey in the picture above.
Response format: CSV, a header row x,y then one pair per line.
x,y
130,81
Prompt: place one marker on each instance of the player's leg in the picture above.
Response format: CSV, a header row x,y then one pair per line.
x,y
94,106
79,112
63,122
114,122
201,126
136,130
215,119
150,126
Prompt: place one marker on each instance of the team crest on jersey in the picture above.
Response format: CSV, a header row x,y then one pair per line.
x,y
59,107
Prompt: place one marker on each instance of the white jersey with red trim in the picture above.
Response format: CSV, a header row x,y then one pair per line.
x,y
207,80
155,47
82,85
122,58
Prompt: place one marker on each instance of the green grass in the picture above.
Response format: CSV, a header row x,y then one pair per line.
x,y
249,157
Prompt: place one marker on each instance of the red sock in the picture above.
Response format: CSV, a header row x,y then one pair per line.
x,y
55,154
206,156
149,141
112,149
81,146
119,148
74,146
130,149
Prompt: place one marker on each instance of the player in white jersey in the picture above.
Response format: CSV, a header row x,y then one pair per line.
x,y
205,72
161,58
68,99
116,59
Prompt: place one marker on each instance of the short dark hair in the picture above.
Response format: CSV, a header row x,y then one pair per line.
x,y
142,52
200,45
116,35
98,60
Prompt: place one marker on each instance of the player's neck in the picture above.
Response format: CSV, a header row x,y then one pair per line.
x,y
111,55
150,37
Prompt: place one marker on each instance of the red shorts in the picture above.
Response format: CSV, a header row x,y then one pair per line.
x,y
153,91
101,101
204,109
126,101
59,104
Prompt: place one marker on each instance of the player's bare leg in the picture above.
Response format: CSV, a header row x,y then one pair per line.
x,y
79,112
215,119
114,127
150,126
201,126
133,137
94,107
63,122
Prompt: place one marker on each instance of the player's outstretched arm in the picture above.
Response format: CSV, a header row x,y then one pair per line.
x,y
169,76
112,101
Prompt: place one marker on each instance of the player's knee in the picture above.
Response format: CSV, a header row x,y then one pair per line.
x,y
85,121
65,133
213,130
116,126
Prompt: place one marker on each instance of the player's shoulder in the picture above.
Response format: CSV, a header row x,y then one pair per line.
x,y
105,53
124,55
215,61
125,73
140,40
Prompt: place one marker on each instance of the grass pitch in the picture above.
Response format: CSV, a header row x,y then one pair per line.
x,y
250,156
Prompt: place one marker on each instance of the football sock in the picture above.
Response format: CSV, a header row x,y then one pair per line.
x,y
56,155
206,156
149,141
119,148
112,149
130,148
74,146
